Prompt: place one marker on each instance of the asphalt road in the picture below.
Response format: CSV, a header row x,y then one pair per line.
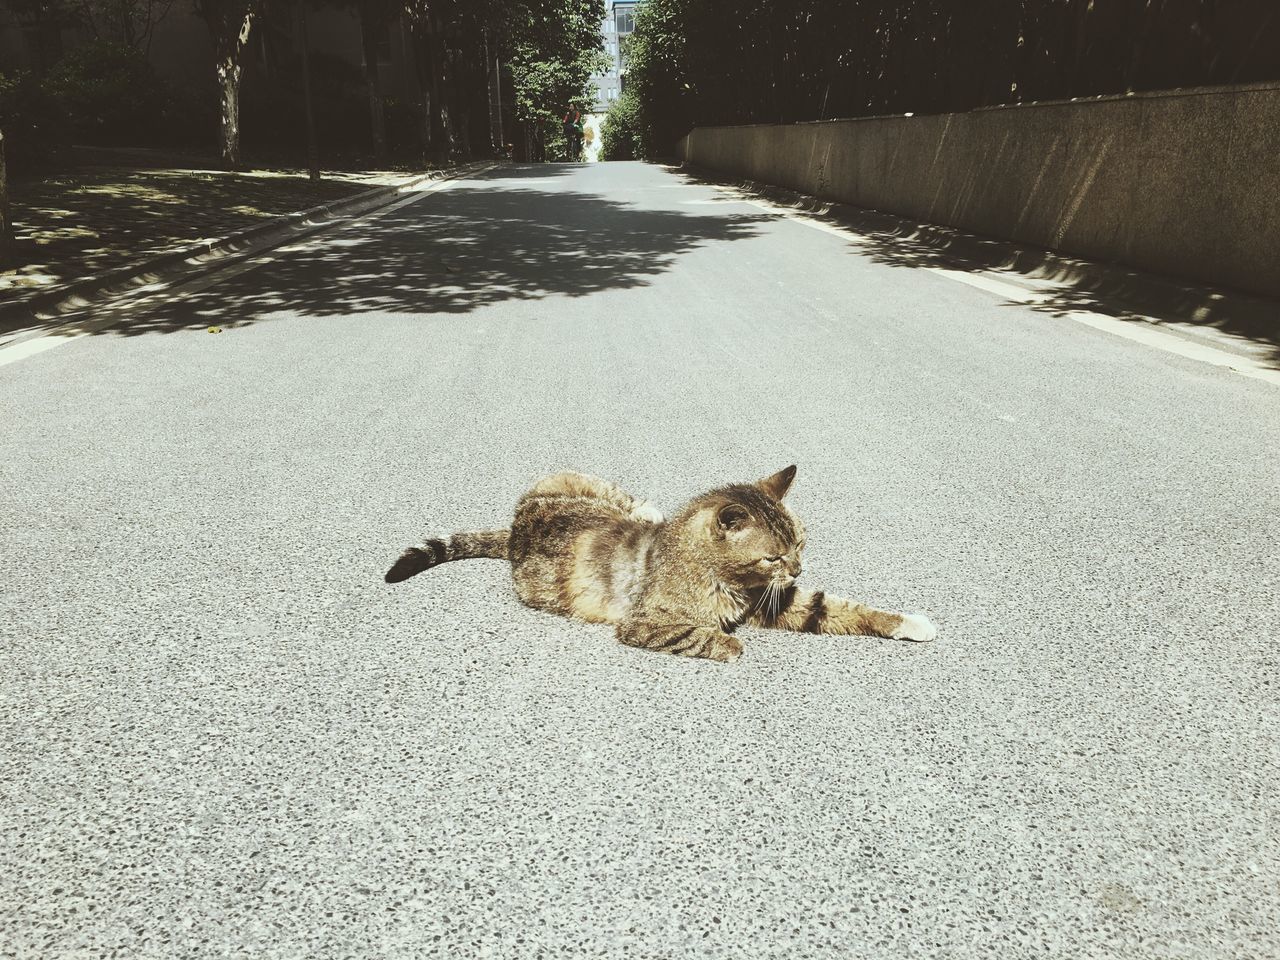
x,y
222,735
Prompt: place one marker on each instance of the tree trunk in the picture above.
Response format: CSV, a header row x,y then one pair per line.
x,y
462,82
313,152
1079,60
229,70
464,134
6,213
488,82
377,118
229,119
497,138
420,55
438,88
428,139
1133,69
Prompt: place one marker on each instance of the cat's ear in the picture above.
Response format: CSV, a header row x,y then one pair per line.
x,y
778,485
732,516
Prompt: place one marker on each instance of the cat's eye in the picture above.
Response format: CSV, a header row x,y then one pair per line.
x,y
772,559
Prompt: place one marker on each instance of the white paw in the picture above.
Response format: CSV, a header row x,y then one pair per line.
x,y
915,626
647,513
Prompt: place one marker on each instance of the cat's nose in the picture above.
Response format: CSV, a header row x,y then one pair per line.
x,y
793,568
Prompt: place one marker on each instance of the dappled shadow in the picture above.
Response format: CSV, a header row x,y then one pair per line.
x,y
1057,284
532,171
476,244
1060,286
1251,324
81,223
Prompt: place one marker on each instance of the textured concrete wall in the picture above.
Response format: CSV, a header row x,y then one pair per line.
x,y
1183,183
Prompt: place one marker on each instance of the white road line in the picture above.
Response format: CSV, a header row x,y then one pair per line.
x,y
1148,334
113,311
29,348
1001,289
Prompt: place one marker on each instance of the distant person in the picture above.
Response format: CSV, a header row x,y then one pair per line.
x,y
570,119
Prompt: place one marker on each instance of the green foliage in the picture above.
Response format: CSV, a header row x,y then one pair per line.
x,y
655,106
554,48
777,61
108,92
621,130
548,49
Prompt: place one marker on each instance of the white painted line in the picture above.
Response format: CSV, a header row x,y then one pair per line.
x,y
1153,336
239,262
799,217
1000,288
29,348
1148,334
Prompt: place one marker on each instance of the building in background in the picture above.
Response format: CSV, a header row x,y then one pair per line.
x,y
619,22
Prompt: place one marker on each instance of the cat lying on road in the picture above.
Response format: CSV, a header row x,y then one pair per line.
x,y
581,547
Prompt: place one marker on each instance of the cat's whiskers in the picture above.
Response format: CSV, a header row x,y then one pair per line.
x,y
759,604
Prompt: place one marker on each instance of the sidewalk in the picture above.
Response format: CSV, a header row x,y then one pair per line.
x,y
79,224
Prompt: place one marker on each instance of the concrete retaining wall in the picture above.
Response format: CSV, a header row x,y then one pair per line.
x,y
1184,183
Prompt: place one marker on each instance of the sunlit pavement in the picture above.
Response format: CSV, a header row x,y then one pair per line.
x,y
222,735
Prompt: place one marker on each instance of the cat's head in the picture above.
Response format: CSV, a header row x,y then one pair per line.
x,y
755,539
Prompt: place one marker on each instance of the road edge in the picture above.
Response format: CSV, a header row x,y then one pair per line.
x,y
1145,307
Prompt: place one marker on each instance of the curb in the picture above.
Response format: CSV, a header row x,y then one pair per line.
x,y
1127,289
44,305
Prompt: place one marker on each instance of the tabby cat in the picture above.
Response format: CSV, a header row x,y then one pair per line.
x,y
581,547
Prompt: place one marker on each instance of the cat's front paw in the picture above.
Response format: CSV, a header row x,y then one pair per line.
x,y
915,626
726,649
647,513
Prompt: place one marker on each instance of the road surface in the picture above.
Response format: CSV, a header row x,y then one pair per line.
x,y
222,735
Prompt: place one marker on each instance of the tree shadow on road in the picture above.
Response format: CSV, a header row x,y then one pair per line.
x,y
454,252
1061,285
84,222
530,171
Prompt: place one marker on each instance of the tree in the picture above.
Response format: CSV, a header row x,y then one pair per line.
x,y
131,22
376,17
621,131
553,49
128,22
549,49
739,61
229,22
6,213
653,112
313,152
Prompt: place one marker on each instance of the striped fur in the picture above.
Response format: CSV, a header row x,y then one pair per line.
x,y
806,611
461,546
581,547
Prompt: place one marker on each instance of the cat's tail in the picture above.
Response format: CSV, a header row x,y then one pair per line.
x,y
461,546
